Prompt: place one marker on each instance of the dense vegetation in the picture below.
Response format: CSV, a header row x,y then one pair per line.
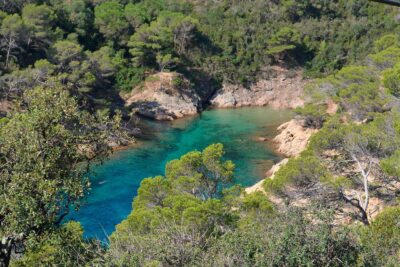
x,y
177,221
63,64
94,47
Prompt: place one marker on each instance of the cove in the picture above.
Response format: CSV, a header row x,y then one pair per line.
x,y
115,183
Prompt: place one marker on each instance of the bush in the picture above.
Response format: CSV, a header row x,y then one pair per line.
x,y
63,247
178,82
391,80
385,42
288,239
314,115
300,171
381,240
129,77
387,58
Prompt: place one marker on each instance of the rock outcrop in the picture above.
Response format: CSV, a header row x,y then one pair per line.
x,y
169,95
291,141
293,138
283,90
164,96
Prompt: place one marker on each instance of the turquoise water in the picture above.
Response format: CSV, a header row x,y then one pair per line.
x,y
115,183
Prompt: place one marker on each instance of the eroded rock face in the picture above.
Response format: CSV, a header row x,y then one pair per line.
x,y
293,138
285,90
168,96
164,96
291,141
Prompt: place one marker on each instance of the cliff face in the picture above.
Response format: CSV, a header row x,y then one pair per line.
x,y
164,96
283,90
168,96
293,138
291,141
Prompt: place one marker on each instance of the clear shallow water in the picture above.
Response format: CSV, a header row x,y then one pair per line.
x,y
115,183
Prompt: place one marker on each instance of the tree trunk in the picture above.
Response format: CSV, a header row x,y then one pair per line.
x,y
357,204
5,251
364,217
361,203
11,43
7,244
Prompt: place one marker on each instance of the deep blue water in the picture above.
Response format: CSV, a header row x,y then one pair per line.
x,y
115,183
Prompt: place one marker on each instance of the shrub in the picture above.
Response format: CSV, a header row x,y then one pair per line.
x,y
301,171
391,80
381,240
178,82
128,77
314,115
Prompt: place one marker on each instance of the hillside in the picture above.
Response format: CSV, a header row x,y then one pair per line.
x,y
77,77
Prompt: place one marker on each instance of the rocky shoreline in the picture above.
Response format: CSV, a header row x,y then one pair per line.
x,y
292,139
169,95
283,91
164,96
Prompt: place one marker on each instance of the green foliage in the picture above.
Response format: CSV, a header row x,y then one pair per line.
x,y
75,71
13,34
354,88
230,42
314,115
63,247
103,64
154,43
201,173
143,12
256,202
288,239
391,165
81,71
378,143
178,82
165,61
382,239
45,161
66,52
110,19
335,135
39,20
169,225
387,58
300,171
341,182
331,136
189,217
385,42
360,100
391,80
79,16
180,202
285,39
152,192
254,207
128,78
